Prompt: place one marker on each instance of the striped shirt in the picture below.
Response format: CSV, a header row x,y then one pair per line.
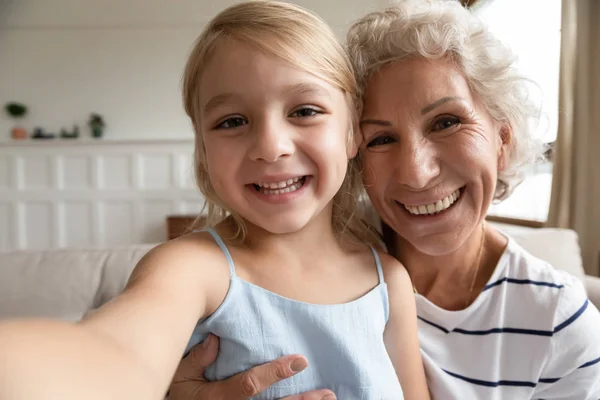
x,y
531,334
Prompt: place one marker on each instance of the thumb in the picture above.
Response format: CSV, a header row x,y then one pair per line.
x,y
199,358
253,381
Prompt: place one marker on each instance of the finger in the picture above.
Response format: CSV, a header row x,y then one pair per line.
x,y
314,395
252,382
200,357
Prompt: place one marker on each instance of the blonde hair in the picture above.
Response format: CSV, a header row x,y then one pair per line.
x,y
281,30
443,28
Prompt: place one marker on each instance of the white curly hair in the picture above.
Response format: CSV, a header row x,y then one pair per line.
x,y
444,28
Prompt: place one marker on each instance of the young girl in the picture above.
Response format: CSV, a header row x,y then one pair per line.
x,y
284,267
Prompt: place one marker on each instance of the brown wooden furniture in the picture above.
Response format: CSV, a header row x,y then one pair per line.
x,y
516,221
178,225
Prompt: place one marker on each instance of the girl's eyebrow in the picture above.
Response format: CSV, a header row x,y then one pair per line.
x,y
302,88
217,101
309,88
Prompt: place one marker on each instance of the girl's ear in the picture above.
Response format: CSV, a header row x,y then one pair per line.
x,y
506,137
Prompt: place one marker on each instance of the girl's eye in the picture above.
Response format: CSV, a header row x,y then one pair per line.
x,y
230,123
445,123
305,112
381,141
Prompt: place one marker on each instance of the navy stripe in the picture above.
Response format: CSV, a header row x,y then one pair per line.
x,y
441,328
489,383
514,383
490,331
587,364
590,363
549,380
572,318
521,282
519,331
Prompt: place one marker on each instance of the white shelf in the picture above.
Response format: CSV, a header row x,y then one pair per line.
x,y
90,142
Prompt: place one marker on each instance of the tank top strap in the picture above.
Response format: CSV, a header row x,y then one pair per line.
x,y
378,264
223,248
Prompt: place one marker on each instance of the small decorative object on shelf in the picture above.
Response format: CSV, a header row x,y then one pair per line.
x,y
70,135
17,111
97,125
39,133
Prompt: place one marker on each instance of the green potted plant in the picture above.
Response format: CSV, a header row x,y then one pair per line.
x,y
96,124
17,111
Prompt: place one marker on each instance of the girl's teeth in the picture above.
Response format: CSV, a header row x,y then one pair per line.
x,y
278,185
436,207
275,188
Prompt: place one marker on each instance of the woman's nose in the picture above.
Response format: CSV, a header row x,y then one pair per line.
x,y
417,165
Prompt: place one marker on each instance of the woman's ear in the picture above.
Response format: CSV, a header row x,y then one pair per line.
x,y
506,137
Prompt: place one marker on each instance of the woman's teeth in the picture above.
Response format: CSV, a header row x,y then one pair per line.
x,y
434,208
274,188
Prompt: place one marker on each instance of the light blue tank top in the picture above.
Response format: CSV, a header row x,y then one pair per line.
x,y
342,342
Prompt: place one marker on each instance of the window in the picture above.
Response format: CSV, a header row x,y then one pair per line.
x,y
532,29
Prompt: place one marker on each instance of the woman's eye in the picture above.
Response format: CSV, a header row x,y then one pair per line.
x,y
380,141
445,123
305,112
231,123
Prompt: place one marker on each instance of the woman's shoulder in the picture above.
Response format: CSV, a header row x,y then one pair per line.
x,y
543,284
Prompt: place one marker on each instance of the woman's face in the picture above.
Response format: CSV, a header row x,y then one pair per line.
x,y
431,152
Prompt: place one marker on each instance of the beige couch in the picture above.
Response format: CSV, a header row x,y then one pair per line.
x,y
67,284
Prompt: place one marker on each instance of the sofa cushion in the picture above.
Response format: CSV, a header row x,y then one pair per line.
x,y
63,284
559,247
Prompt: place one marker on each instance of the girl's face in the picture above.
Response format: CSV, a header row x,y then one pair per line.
x,y
275,137
431,151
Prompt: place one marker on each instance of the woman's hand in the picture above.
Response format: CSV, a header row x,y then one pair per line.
x,y
189,383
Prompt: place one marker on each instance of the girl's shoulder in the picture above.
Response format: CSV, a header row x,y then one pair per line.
x,y
195,260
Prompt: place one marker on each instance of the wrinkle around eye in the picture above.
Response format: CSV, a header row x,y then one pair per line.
x,y
379,141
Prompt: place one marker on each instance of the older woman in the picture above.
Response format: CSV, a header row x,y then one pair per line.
x,y
447,128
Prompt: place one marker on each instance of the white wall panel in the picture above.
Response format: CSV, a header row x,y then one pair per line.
x,y
5,227
117,222
75,172
155,171
38,225
5,172
36,172
115,171
92,193
77,224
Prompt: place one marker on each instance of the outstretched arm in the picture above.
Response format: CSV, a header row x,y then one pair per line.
x,y
130,347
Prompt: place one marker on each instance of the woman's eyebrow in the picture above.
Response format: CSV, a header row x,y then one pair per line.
x,y
439,102
377,122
